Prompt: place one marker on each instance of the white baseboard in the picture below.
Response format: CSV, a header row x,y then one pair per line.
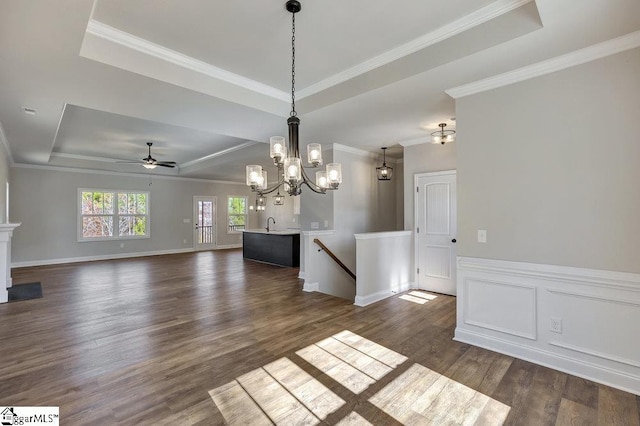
x,y
311,287
301,275
94,258
604,375
228,246
380,295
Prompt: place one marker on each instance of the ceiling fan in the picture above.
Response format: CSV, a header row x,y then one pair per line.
x,y
151,163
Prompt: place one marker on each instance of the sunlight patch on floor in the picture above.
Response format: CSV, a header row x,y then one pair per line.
x,y
349,377
282,392
354,419
351,360
374,350
422,396
418,297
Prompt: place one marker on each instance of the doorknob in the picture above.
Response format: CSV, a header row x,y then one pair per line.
x,y
453,241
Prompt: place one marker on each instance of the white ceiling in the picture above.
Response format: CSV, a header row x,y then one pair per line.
x,y
208,82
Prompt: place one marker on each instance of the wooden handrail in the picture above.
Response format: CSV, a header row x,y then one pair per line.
x,y
333,256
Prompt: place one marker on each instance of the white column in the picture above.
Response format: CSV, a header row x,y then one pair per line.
x,y
6,231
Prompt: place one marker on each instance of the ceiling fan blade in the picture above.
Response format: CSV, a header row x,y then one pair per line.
x,y
150,162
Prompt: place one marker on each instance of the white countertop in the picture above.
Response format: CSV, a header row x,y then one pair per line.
x,y
273,231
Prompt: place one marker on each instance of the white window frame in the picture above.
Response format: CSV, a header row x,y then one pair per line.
x,y
246,212
115,215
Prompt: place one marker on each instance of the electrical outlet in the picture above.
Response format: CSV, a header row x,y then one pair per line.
x,y
121,245
556,325
184,241
482,236
315,225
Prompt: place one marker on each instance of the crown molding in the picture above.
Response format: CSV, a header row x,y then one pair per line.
x,y
5,145
458,26
578,57
418,141
363,153
114,35
113,173
83,157
55,136
480,16
352,150
218,154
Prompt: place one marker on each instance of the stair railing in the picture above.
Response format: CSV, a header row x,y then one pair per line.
x,y
334,257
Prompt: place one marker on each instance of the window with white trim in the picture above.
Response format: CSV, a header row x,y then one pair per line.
x,y
112,215
237,208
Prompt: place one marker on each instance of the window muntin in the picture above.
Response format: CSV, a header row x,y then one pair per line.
x,y
108,214
237,208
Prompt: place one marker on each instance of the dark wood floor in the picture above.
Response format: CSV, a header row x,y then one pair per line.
x,y
143,341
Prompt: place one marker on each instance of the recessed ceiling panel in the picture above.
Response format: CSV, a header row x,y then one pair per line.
x,y
92,133
252,37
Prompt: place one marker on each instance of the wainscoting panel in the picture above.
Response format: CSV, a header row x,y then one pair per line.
x,y
501,306
580,321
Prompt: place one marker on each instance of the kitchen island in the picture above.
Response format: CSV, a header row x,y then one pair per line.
x,y
275,247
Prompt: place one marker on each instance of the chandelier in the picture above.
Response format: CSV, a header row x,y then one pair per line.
x,y
443,136
291,173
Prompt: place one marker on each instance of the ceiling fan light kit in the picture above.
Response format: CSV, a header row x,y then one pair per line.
x,y
291,173
151,163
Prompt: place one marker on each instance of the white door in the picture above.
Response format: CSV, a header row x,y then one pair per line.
x,y
436,231
204,219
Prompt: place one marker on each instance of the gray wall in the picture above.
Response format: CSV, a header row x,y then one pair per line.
x,y
283,215
4,178
45,201
398,183
317,207
550,168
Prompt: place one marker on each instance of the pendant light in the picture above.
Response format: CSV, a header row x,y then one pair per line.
x,y
384,172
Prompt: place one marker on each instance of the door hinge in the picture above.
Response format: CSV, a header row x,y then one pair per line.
x,y
417,189
418,230
418,270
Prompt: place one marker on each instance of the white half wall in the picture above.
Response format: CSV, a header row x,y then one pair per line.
x,y
382,265
321,273
513,308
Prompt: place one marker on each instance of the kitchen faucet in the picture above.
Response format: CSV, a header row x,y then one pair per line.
x,y
268,219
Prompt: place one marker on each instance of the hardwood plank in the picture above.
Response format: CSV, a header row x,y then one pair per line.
x,y
145,340
574,413
616,407
581,391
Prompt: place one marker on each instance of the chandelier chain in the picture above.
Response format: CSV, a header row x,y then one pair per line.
x,y
293,65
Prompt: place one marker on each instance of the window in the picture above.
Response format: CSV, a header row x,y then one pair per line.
x,y
108,215
237,213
